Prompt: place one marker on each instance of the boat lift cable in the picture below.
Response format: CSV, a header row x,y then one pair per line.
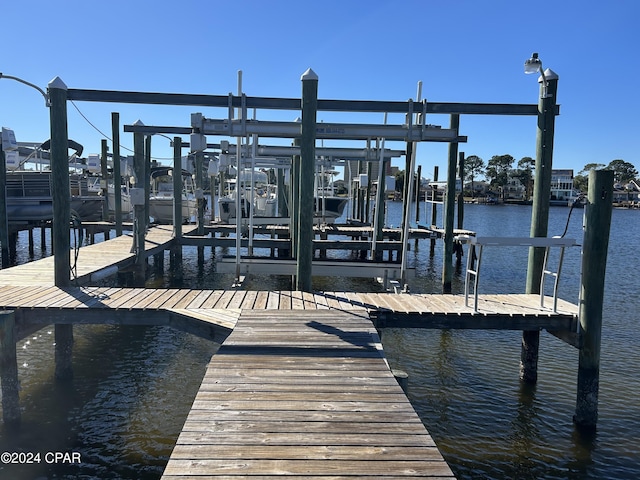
x,y
77,229
579,199
107,136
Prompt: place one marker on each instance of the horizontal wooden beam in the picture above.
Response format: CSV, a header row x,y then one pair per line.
x,y
474,321
31,320
234,101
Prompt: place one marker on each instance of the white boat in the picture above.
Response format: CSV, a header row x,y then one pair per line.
x,y
161,195
125,199
263,198
256,192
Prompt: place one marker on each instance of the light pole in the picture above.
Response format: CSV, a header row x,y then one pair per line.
x,y
540,209
42,92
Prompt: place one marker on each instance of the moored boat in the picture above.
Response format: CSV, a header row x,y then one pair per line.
x,y
162,194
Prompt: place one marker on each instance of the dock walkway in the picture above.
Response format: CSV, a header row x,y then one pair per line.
x,y
91,259
305,394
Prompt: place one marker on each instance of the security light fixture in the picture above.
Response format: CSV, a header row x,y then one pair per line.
x,y
534,65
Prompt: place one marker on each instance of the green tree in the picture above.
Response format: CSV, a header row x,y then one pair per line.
x,y
622,171
498,169
473,167
524,173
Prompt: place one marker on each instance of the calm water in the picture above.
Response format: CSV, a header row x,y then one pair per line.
x,y
133,386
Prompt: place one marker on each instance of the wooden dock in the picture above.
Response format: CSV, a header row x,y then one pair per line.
x,y
211,313
306,394
300,385
91,259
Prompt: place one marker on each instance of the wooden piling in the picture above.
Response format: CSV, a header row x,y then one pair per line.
x,y
4,222
61,216
199,191
594,261
307,174
104,176
177,187
60,181
9,369
450,203
434,211
539,218
458,245
117,175
147,178
294,201
461,194
139,222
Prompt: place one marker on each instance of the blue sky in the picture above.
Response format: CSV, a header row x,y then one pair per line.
x,y
462,51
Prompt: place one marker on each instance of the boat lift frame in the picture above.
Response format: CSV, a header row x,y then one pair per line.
x,y
241,127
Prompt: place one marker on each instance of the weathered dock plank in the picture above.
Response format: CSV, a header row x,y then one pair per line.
x,y
91,259
304,393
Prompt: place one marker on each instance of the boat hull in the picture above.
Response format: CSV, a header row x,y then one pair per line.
x,y
161,209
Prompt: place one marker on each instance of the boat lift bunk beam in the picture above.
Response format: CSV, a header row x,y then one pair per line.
x,y
365,154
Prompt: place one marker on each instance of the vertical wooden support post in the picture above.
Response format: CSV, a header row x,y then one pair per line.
x,y
4,222
31,242
117,174
539,216
594,261
417,193
147,178
175,258
417,190
307,173
450,203
461,194
283,211
139,221
458,245
177,187
61,216
9,369
406,210
367,195
434,210
60,181
378,218
199,191
43,238
104,178
295,200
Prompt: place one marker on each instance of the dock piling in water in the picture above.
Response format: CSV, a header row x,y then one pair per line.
x,y
539,216
9,369
450,203
117,191
594,260
4,223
